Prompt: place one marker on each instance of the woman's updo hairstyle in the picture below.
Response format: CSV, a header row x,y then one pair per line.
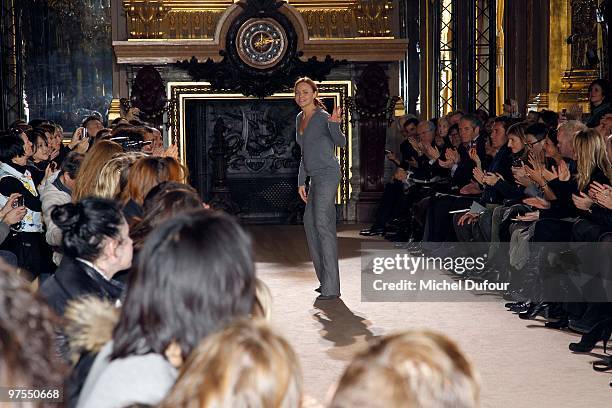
x,y
315,89
86,224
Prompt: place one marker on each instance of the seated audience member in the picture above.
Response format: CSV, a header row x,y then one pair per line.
x,y
27,348
26,240
145,174
599,100
245,365
411,369
96,245
461,163
174,300
90,168
58,191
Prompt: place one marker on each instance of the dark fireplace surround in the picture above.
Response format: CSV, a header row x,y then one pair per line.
x,y
261,154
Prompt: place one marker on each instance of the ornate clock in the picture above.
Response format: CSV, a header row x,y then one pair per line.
x,y
261,42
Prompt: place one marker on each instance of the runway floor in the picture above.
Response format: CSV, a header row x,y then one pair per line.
x,y
521,363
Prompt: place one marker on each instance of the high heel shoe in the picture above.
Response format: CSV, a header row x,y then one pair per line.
x,y
602,331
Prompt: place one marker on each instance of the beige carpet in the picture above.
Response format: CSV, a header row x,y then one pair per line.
x,y
521,363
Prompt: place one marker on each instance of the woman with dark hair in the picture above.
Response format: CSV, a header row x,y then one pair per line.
x,y
96,246
599,100
39,161
26,239
318,133
174,301
165,204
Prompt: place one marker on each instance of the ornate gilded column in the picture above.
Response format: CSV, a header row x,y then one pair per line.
x,y
583,49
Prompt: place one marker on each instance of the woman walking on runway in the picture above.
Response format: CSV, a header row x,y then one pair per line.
x,y
318,133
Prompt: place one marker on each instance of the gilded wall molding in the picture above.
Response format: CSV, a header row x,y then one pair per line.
x,y
197,19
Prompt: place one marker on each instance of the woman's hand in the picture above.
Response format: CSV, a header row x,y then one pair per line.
x,y
582,202
9,204
491,179
535,174
336,115
76,137
302,193
530,216
602,194
14,215
537,202
563,171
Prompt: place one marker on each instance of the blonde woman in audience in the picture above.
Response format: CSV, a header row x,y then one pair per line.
x,y
107,184
410,369
91,167
245,365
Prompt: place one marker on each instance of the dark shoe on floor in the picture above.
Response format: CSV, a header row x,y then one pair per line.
x,y
368,232
517,307
559,324
327,297
535,309
600,332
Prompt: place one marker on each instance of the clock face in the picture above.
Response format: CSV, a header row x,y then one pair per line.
x,y
261,42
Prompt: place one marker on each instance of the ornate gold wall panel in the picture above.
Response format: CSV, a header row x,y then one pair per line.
x,y
197,19
581,70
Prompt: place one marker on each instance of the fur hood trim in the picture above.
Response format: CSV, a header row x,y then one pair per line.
x,y
89,325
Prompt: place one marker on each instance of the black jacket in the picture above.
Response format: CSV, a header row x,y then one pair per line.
x,y
74,279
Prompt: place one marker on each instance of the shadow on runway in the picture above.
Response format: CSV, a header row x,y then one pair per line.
x,y
287,245
349,332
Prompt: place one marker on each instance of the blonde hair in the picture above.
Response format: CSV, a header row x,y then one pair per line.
x,y
410,369
107,184
590,153
262,307
91,166
245,365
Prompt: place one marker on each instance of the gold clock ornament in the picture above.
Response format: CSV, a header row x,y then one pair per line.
x,y
261,42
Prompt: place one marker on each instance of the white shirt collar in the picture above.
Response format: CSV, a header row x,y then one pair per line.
x,y
94,267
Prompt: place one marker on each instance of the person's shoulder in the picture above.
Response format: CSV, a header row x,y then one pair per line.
x,y
322,112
